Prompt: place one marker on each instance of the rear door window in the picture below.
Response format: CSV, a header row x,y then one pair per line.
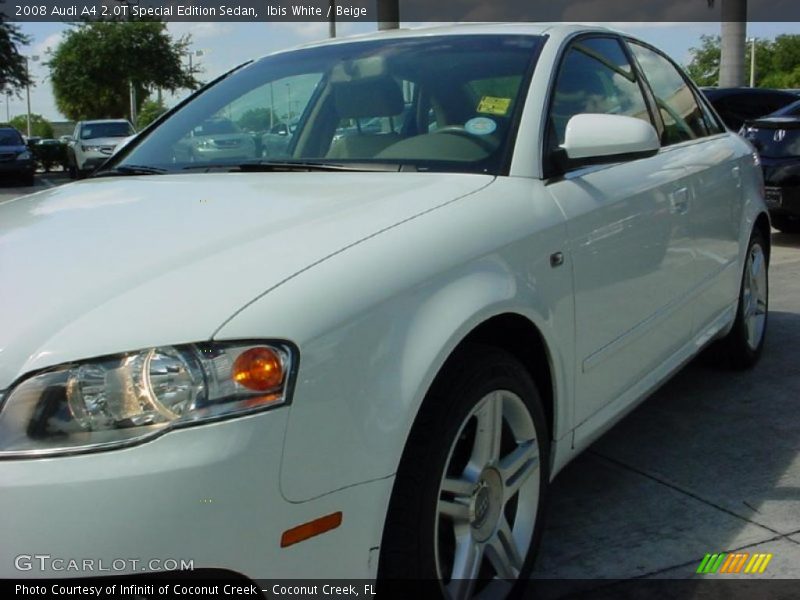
x,y
683,118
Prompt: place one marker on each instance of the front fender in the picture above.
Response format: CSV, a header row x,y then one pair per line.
x,y
376,323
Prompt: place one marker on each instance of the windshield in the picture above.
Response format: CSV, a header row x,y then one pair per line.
x,y
774,142
103,130
445,103
10,138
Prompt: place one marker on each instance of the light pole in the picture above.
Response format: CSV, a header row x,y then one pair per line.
x,y
752,41
191,54
132,98
332,19
34,58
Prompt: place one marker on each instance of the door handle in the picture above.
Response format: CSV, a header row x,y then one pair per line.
x,y
679,199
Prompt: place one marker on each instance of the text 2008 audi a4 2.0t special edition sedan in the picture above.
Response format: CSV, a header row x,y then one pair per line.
x,y
387,340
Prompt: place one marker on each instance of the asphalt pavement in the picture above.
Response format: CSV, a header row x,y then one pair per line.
x,y
708,464
10,189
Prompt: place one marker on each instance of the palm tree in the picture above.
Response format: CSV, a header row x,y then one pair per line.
x,y
733,20
388,14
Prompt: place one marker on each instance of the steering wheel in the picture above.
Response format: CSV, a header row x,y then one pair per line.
x,y
460,131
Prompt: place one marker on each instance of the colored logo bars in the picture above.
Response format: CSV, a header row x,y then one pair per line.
x,y
735,563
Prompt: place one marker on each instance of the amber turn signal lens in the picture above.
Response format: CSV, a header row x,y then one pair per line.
x,y
258,369
310,529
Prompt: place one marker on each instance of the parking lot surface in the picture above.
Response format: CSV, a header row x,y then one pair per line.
x,y
11,189
709,464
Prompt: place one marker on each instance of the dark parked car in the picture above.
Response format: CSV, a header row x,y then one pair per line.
x,y
16,159
737,105
790,110
777,139
49,152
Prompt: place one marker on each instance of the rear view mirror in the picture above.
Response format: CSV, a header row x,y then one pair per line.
x,y
601,138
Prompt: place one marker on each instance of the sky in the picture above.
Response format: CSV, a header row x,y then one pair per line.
x,y
225,45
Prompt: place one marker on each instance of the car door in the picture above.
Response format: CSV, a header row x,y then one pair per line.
x,y
628,231
710,157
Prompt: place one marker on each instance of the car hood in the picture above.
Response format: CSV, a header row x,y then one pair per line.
x,y
110,265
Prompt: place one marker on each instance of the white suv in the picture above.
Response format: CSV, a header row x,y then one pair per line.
x,y
93,142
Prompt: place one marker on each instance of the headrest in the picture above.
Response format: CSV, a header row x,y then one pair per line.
x,y
366,98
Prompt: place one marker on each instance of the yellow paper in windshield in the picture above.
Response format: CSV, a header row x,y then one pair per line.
x,y
491,105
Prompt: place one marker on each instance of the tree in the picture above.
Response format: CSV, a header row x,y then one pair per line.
x,y
777,61
94,67
733,17
257,119
388,14
704,65
150,111
13,71
778,65
40,126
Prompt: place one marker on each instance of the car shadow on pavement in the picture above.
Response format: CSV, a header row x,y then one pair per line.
x,y
786,240
710,463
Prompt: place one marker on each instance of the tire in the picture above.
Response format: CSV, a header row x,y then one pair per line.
x,y
450,480
29,180
786,224
742,347
73,172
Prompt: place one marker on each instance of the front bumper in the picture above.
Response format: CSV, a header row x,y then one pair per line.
x,y
17,168
207,494
91,163
783,201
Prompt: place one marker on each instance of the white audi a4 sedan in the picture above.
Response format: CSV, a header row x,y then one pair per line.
x,y
368,357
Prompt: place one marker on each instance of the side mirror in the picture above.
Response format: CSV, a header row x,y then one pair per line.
x,y
599,138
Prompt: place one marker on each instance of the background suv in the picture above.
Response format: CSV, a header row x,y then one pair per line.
x,y
93,142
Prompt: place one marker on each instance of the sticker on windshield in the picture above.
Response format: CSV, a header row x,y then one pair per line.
x,y
480,126
492,105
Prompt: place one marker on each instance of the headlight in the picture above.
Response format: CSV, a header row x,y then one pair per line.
x,y
88,148
24,155
117,400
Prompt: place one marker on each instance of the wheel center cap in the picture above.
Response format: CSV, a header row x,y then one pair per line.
x,y
482,504
486,504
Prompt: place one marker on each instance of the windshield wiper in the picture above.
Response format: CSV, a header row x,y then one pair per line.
x,y
126,170
267,166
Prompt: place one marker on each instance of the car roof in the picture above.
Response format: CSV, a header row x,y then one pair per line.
x,y
553,30
782,112
715,93
105,121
